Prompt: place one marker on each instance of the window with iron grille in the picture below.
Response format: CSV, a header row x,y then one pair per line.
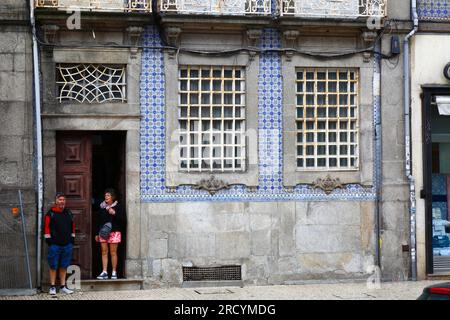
x,y
327,119
212,119
91,83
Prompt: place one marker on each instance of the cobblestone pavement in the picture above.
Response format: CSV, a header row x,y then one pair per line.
x,y
336,291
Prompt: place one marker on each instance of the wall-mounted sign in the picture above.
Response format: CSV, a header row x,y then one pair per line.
x,y
447,71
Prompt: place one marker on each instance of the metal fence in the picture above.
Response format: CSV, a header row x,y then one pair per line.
x,y
15,261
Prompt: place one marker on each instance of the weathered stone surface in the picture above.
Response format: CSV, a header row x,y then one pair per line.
x,y
261,243
258,270
12,42
158,248
198,221
155,209
367,226
9,149
6,62
327,238
185,245
330,213
171,272
288,265
133,268
395,215
12,86
339,263
232,245
9,173
224,222
161,224
261,221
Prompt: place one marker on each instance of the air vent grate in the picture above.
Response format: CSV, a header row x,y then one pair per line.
x,y
221,273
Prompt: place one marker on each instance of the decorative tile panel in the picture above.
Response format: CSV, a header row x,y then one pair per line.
x,y
270,130
433,9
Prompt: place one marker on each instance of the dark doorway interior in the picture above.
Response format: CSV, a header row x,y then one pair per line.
x,y
108,171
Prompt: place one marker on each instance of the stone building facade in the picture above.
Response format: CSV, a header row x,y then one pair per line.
x,y
16,144
259,142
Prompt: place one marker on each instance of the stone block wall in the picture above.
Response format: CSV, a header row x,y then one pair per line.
x,y
16,144
273,242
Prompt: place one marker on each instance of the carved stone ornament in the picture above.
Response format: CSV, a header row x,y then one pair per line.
x,y
50,33
134,34
328,184
254,35
212,185
369,40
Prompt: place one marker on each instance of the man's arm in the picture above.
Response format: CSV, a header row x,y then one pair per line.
x,y
47,233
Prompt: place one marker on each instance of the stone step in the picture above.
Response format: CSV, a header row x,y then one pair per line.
x,y
112,285
439,276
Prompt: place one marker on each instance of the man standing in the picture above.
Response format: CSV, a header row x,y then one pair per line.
x,y
59,235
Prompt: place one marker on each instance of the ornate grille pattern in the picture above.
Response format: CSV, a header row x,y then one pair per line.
x,y
338,8
327,119
212,118
88,83
240,7
98,5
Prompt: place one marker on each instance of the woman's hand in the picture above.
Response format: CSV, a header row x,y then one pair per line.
x,y
111,211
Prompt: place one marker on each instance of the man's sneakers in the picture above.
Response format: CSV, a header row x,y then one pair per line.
x,y
103,276
113,275
65,290
52,291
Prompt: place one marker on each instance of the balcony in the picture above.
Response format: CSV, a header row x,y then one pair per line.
x,y
217,7
351,9
98,5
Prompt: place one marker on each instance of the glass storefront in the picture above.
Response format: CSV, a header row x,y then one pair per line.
x,y
440,183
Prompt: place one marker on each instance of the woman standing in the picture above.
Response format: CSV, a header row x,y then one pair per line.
x,y
111,211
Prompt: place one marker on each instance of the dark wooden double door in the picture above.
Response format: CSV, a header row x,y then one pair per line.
x,y
77,155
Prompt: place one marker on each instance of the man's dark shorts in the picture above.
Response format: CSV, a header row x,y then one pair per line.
x,y
59,256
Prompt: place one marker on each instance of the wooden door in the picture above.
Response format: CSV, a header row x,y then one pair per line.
x,y
74,166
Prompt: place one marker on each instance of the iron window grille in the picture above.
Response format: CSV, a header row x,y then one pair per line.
x,y
89,83
327,119
212,119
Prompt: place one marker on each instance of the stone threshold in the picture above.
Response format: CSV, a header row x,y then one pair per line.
x,y
107,285
111,285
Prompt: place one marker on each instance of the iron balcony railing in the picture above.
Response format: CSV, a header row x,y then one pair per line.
x,y
299,8
97,5
217,7
333,8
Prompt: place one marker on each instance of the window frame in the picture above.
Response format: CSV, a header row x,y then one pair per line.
x,y
292,176
195,115
174,176
337,144
92,56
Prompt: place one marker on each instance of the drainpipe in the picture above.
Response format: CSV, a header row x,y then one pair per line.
x,y
39,171
408,171
378,148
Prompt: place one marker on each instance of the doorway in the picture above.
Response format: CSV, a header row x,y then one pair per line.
x,y
436,114
88,162
108,171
